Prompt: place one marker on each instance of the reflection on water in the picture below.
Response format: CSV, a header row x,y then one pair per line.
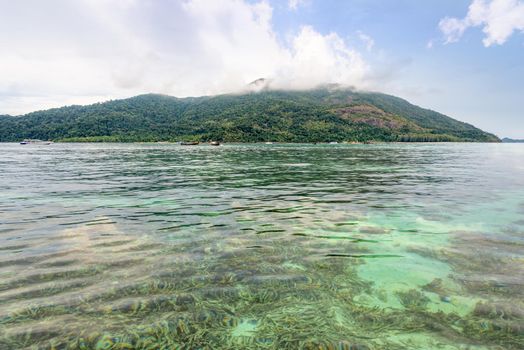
x,y
416,246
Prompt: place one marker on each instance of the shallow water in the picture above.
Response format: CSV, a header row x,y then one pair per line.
x,y
153,246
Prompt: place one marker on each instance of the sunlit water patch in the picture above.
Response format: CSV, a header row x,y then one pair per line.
x,y
116,246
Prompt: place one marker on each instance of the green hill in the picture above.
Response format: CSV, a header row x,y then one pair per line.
x,y
318,115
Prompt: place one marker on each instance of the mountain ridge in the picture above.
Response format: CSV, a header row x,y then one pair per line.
x,y
510,140
316,115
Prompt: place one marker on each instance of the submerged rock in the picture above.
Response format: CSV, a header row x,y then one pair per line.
x,y
413,299
445,298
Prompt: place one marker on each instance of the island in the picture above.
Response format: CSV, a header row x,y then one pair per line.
x,y
317,115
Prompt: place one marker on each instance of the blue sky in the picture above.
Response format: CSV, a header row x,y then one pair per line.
x,y
463,58
466,80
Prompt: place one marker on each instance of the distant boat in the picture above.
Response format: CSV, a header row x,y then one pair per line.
x,y
269,143
333,143
189,143
214,143
35,142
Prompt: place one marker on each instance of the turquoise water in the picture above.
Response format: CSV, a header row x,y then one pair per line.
x,y
159,246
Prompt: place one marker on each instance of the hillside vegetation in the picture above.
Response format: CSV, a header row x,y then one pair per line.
x,y
319,115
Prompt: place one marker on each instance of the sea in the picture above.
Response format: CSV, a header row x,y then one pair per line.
x,y
262,246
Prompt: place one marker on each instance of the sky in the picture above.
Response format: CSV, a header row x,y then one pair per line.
x,y
463,58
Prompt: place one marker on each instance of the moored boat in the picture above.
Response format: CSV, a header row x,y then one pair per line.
x,y
35,142
189,143
214,143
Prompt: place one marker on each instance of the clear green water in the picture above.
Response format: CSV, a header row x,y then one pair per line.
x,y
131,246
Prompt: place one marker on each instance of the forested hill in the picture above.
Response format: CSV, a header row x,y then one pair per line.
x,y
318,115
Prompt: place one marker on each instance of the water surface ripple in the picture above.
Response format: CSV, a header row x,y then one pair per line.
x,y
158,246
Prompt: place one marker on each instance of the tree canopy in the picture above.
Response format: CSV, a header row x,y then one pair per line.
x,y
319,115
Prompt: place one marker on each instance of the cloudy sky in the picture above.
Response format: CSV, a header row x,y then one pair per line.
x,y
464,58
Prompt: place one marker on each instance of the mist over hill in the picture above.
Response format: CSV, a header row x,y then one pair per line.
x,y
318,115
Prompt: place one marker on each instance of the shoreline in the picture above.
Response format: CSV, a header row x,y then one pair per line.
x,y
178,143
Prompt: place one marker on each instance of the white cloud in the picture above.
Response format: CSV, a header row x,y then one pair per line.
x,y
367,40
316,59
60,51
499,19
295,4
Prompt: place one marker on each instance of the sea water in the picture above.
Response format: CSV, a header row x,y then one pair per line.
x,y
160,246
